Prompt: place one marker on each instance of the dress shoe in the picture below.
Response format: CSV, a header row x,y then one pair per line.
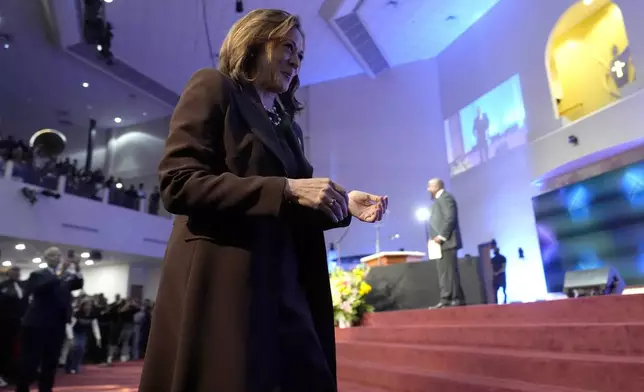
x,y
440,305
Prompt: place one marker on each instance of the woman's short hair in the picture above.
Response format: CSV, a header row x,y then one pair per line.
x,y
258,30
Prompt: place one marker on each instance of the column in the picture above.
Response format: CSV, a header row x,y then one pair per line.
x,y
109,151
90,144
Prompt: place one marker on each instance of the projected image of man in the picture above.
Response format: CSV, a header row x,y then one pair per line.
x,y
445,231
481,126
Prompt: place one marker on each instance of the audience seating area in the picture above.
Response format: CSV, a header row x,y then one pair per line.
x,y
65,176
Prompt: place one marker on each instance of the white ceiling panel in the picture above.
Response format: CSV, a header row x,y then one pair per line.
x,y
412,30
40,84
34,249
168,43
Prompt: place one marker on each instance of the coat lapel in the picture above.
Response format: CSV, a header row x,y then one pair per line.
x,y
260,125
295,139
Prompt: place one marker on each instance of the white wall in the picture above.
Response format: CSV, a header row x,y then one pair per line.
x,y
107,279
384,136
147,276
112,279
495,198
131,152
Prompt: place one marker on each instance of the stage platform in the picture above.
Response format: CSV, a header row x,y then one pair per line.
x,y
586,344
415,285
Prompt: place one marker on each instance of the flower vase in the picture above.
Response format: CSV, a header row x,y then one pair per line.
x,y
344,324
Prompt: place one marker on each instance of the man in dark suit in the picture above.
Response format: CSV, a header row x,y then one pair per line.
x,y
13,303
445,231
44,323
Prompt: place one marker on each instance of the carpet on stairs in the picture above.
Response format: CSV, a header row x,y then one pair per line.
x,y
586,344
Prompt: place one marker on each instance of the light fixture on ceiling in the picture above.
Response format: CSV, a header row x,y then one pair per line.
x,y
36,260
5,39
588,2
118,120
20,246
42,265
85,255
85,84
89,262
108,1
99,48
6,263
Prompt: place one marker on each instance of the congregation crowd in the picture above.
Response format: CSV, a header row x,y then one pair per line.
x,y
32,169
98,331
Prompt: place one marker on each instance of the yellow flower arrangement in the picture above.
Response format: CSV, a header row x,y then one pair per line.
x,y
348,290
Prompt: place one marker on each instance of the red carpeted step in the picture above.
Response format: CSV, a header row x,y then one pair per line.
x,y
603,309
402,379
613,338
595,372
347,386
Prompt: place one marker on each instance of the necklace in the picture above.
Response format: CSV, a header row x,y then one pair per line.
x,y
273,116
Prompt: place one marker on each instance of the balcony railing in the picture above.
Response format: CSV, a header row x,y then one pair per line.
x,y
51,181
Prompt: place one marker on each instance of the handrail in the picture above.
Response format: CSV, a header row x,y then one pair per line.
x,y
596,112
575,106
61,187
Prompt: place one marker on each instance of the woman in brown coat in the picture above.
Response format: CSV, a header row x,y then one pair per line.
x,y
244,303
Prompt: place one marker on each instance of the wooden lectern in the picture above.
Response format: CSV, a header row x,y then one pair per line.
x,y
388,258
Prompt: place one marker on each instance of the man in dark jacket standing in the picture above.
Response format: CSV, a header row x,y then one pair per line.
x,y
446,232
44,323
13,303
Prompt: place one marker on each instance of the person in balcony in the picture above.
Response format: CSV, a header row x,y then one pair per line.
x,y
244,303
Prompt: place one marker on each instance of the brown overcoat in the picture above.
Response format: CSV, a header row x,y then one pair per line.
x,y
223,176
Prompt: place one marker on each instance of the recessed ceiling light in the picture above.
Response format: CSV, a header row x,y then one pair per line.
x,y
36,260
7,46
6,263
117,120
85,84
108,1
99,48
20,246
42,265
89,262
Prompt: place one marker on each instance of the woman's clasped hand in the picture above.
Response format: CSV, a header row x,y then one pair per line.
x,y
332,199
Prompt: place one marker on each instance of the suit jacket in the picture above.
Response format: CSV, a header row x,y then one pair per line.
x,y
216,315
12,307
444,221
51,302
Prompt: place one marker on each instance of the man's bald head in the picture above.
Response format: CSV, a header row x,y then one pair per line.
x,y
434,185
52,256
